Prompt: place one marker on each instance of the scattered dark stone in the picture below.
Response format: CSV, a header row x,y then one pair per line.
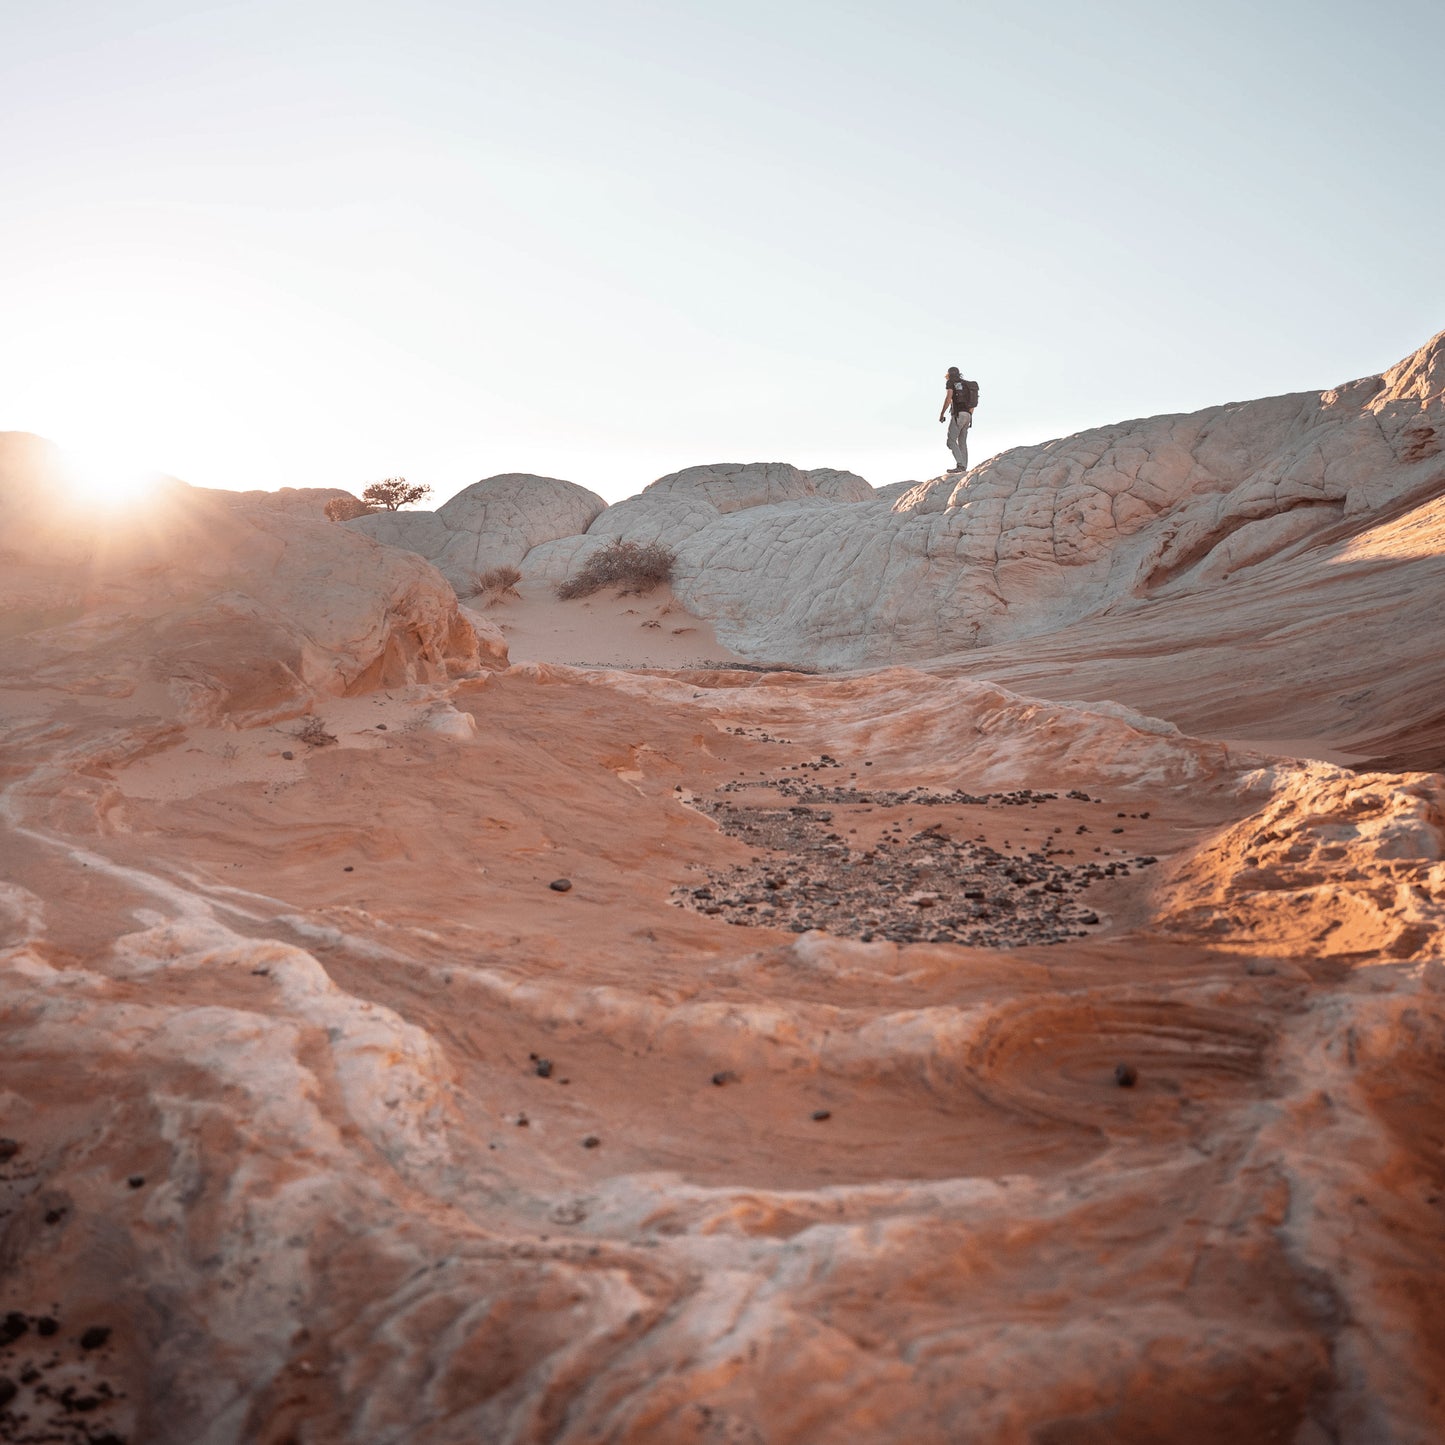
x,y
288,755
522,1121
560,885
975,894
95,1337
136,1181
54,1216
12,1327
819,1115
8,1391
1116,830
45,1326
543,1068
80,1404
29,1375
1126,1075
350,868
591,1142
9,1148
381,727
724,1076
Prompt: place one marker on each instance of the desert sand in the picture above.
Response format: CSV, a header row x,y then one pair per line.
x,y
749,1011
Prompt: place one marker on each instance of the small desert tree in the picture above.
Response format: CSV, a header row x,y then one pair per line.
x,y
394,492
344,509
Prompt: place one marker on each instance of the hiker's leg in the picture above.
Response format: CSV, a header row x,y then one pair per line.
x,y
958,440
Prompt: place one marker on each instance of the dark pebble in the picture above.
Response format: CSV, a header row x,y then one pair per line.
x,y
8,1391
560,885
591,1142
1126,1075
724,1076
12,1327
288,755
349,869
820,1114
9,1148
543,1068
381,727
54,1216
95,1337
47,1326
136,1181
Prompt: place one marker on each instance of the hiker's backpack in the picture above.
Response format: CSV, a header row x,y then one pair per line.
x,y
969,395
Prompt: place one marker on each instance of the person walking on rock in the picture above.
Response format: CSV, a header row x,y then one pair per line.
x,y
958,403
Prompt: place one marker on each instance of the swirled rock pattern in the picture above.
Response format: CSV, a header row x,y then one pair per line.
x,y
353,1126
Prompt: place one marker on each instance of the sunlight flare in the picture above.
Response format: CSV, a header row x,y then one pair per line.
x,y
102,480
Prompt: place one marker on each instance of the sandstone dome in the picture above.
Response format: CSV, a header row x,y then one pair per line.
x,y
675,508
492,523
732,486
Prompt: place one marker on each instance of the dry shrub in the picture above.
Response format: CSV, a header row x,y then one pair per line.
x,y
496,583
632,567
347,509
313,733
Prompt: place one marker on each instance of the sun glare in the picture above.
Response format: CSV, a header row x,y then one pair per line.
x,y
103,481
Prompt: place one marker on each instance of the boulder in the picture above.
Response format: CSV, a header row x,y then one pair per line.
x,y
492,523
676,509
733,486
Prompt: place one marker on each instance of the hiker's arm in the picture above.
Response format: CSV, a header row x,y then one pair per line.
x,y
947,397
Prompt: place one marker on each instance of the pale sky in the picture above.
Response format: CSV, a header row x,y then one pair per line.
x,y
321,242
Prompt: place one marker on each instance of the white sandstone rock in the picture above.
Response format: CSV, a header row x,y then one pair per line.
x,y
492,523
731,487
1041,537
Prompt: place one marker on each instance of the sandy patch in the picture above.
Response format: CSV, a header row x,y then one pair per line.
x,y
605,630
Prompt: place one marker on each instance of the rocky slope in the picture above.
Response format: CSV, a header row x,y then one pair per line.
x,y
1199,566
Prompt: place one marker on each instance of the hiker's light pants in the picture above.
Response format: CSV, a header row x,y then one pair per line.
x,y
958,427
